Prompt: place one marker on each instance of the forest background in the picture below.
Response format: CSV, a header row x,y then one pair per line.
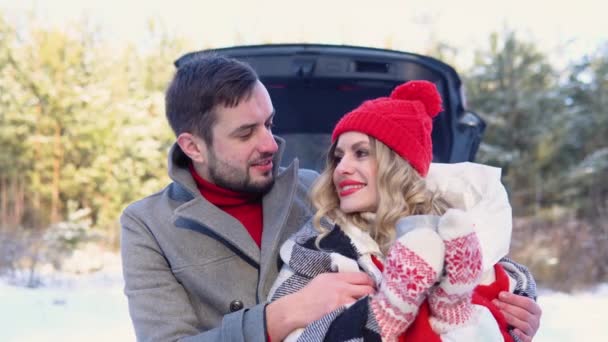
x,y
83,133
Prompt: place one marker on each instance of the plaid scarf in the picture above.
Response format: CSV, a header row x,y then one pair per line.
x,y
348,249
305,258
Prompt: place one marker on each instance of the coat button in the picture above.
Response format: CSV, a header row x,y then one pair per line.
x,y
236,305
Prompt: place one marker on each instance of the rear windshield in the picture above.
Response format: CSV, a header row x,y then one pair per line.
x,y
306,113
309,148
315,106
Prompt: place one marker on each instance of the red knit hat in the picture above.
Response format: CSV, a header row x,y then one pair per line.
x,y
402,121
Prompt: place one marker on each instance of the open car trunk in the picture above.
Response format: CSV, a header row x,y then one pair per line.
x,y
312,86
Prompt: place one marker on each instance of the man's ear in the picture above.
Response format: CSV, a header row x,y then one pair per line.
x,y
193,146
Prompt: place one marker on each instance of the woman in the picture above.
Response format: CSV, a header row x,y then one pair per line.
x,y
427,250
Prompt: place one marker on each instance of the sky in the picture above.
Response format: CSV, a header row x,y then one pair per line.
x,y
565,30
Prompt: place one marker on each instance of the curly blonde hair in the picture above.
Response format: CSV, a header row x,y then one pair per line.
x,y
401,192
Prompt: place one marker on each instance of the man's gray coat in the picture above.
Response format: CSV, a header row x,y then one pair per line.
x,y
193,272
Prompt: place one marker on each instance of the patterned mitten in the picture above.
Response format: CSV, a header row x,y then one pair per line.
x,y
450,302
413,264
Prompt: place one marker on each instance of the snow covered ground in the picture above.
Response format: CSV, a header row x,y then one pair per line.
x,y
93,308
574,317
68,307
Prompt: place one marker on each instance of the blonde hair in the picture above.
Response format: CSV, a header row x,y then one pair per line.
x,y
401,192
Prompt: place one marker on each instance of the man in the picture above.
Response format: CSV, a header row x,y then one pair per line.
x,y
200,256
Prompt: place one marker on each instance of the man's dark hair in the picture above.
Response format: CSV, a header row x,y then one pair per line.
x,y
199,85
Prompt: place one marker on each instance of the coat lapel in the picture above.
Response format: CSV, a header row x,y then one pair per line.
x,y
200,215
277,209
218,224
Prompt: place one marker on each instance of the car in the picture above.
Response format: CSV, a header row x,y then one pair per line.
x,y
313,85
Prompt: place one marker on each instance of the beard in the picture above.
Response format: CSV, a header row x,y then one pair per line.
x,y
236,179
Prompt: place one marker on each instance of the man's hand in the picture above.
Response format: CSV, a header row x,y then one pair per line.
x,y
521,312
325,293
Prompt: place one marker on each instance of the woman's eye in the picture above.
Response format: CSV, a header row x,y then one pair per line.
x,y
361,153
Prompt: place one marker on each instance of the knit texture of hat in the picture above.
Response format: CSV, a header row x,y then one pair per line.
x,y
403,122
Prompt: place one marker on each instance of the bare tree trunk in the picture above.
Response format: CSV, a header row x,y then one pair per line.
x,y
57,159
538,195
36,221
13,191
20,200
3,202
36,174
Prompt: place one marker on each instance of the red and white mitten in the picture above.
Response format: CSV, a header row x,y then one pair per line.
x,y
413,264
450,301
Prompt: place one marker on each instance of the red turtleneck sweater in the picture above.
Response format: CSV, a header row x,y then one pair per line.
x,y
245,207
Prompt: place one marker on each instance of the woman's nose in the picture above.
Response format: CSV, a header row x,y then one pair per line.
x,y
344,166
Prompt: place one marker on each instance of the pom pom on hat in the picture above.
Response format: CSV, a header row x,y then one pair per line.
x,y
423,91
403,122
